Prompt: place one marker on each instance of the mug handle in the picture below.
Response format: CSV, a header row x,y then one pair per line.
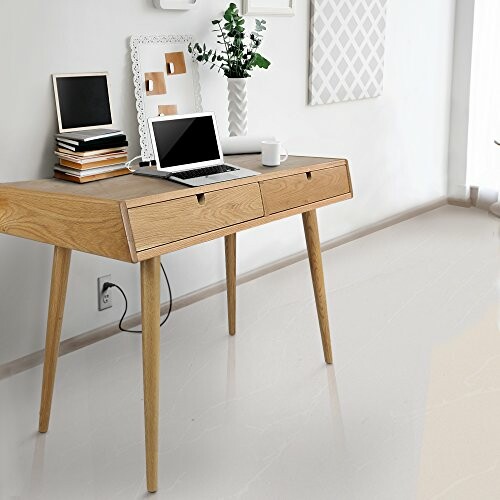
x,y
285,154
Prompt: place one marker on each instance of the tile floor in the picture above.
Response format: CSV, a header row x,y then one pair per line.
x,y
411,408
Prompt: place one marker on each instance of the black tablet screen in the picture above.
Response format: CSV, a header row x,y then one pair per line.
x,y
83,101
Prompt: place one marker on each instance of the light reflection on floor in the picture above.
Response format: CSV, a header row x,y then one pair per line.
x,y
411,408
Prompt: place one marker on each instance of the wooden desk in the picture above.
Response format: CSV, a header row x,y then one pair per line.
x,y
138,219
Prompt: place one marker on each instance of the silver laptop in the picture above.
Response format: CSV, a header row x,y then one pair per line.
x,y
187,150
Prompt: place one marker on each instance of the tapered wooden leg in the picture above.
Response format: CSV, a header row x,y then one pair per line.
x,y
316,264
59,284
150,298
230,246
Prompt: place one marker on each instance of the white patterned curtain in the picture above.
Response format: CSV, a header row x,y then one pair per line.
x,y
483,159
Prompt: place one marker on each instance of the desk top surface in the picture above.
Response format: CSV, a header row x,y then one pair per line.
x,y
134,189
133,218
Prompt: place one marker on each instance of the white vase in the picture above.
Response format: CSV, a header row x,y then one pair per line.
x,y
238,106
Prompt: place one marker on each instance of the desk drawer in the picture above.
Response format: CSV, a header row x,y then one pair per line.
x,y
162,223
302,189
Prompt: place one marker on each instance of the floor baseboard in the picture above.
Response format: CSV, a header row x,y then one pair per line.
x,y
85,339
460,203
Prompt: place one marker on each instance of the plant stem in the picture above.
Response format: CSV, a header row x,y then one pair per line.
x,y
226,44
216,65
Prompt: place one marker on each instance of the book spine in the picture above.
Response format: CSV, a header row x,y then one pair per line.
x,y
68,141
89,147
98,177
85,154
94,164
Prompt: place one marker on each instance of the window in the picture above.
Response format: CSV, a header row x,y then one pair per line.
x,y
483,158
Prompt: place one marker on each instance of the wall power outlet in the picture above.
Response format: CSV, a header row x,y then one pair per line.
x,y
103,298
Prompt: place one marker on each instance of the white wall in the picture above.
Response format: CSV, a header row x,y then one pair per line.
x,y
460,100
397,144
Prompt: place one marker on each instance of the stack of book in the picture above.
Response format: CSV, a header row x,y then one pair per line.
x,y
91,155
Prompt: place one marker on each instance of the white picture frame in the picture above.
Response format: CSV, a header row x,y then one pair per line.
x,y
268,7
183,90
347,50
61,128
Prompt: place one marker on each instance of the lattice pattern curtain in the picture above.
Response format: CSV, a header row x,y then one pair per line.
x,y
483,158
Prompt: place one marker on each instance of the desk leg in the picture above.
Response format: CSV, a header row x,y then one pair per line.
x,y
150,298
316,264
58,287
230,247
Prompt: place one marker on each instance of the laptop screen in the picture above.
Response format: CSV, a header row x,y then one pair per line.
x,y
186,141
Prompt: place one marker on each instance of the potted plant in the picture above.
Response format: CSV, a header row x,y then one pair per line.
x,y
237,58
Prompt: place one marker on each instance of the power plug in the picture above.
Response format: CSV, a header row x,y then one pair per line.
x,y
103,293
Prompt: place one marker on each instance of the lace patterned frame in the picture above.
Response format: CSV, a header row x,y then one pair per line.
x,y
136,42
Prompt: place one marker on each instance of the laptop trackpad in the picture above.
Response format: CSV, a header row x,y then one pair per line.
x,y
222,177
196,181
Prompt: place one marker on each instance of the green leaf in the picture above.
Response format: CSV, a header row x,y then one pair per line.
x,y
260,25
237,55
260,61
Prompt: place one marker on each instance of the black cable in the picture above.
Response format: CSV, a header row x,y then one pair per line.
x,y
108,285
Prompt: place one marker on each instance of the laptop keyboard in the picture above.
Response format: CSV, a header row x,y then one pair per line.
x,y
202,172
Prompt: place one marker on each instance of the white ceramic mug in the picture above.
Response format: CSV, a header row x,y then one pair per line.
x,y
272,155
